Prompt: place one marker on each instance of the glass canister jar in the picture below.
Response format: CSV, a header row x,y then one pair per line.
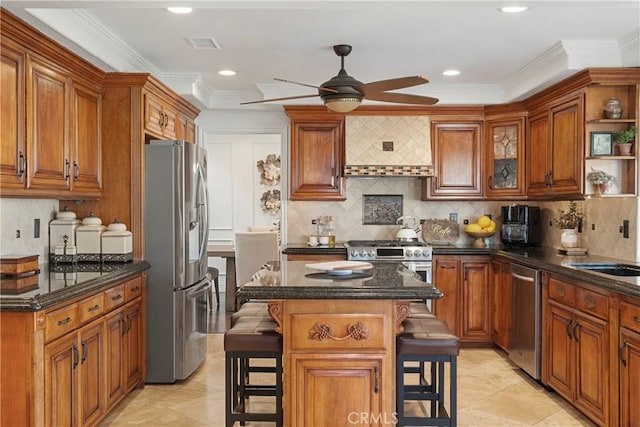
x,y
613,109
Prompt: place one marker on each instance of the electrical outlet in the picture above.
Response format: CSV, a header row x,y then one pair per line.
x,y
593,227
625,228
17,234
466,221
36,228
453,216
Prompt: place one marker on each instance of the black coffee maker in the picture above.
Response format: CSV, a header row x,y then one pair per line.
x,y
521,225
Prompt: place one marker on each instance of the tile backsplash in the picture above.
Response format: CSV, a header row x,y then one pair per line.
x,y
19,214
600,235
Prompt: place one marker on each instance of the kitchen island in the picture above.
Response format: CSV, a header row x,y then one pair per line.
x,y
338,337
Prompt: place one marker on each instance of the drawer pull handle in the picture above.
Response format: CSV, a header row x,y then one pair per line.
x,y
123,324
575,333
85,351
589,302
358,331
21,164
94,308
447,267
116,297
636,319
135,289
76,356
569,330
64,321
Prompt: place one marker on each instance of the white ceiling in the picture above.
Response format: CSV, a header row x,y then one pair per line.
x,y
502,57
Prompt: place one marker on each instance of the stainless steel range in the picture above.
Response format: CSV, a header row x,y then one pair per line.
x,y
416,256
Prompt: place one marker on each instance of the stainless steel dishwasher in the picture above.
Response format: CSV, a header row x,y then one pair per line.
x,y
526,319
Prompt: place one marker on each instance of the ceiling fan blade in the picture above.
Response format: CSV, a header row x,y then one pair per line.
x,y
402,98
307,85
279,99
391,84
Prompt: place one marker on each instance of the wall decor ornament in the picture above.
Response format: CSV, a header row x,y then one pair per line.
x,y
270,201
381,209
269,170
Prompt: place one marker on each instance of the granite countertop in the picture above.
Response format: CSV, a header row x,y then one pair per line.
x,y
294,280
58,283
543,258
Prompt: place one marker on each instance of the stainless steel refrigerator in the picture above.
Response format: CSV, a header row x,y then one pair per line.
x,y
176,216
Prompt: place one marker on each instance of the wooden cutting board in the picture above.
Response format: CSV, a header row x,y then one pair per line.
x,y
440,231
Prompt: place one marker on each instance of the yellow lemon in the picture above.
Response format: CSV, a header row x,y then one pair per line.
x,y
491,228
473,228
484,221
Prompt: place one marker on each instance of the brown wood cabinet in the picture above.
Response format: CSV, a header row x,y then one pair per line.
x,y
12,102
629,355
317,156
576,343
554,149
465,308
160,117
504,166
501,303
457,153
72,363
330,378
125,100
57,154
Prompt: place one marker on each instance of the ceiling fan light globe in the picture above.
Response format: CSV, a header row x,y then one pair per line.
x,y
343,105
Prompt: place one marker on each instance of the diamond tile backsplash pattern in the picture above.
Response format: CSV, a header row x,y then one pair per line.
x,y
365,135
606,214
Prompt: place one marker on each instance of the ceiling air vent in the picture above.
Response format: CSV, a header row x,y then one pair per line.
x,y
204,43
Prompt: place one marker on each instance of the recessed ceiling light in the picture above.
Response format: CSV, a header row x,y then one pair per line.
x,y
180,10
451,73
513,9
227,73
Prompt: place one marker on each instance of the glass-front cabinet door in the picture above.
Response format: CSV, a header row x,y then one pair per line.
x,y
504,155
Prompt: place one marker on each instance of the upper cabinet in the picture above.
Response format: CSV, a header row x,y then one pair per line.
x,y
317,156
554,149
457,154
51,118
601,152
504,165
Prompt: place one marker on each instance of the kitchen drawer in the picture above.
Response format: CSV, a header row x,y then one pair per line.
x,y
90,308
133,288
630,316
61,321
562,291
592,303
113,297
338,332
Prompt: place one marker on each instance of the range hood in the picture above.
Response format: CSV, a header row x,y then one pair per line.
x,y
387,146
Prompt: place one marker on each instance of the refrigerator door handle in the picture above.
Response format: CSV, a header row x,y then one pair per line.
x,y
203,184
198,289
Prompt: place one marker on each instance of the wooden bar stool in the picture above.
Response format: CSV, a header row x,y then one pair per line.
x,y
428,341
251,338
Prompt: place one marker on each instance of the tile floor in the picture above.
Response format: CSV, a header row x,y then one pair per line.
x,y
491,392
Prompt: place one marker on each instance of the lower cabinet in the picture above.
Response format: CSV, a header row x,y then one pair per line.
x,y
629,363
577,346
76,361
465,308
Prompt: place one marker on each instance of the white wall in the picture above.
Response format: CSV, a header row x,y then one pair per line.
x,y
235,141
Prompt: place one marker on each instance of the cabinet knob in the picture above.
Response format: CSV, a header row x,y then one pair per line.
x,y
76,170
490,182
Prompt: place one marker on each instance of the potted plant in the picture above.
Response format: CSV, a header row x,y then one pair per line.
x,y
601,180
568,221
624,139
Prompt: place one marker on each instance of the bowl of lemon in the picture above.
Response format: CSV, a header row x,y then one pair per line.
x,y
481,229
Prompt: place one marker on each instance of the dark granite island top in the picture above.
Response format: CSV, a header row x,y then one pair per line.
x,y
293,280
58,283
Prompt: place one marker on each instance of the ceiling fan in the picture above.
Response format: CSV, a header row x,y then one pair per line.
x,y
342,93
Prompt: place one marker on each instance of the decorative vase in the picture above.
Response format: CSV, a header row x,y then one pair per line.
x,y
569,238
612,109
624,149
